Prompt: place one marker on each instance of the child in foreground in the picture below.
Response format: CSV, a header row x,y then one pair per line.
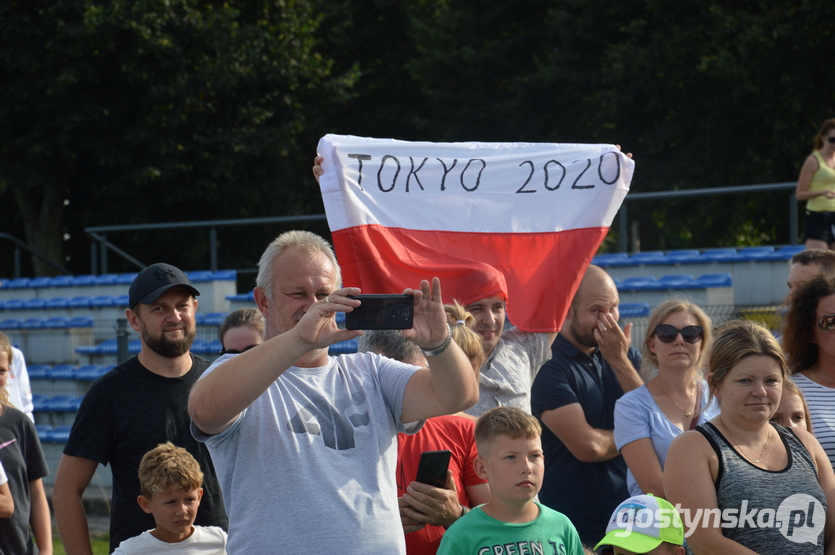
x,y
645,524
510,458
171,483
793,411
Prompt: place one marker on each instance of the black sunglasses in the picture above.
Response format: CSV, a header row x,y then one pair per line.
x,y
691,334
827,323
234,351
831,139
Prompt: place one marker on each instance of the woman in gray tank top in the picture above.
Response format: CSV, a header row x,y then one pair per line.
x,y
742,484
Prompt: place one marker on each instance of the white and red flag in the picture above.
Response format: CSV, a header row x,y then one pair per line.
x,y
521,219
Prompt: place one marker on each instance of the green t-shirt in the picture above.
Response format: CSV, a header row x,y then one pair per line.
x,y
476,533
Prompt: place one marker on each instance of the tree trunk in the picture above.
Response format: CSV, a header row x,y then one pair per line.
x,y
42,210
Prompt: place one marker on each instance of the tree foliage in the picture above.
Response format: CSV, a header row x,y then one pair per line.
x,y
183,110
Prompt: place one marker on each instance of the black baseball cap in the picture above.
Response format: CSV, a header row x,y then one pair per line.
x,y
155,280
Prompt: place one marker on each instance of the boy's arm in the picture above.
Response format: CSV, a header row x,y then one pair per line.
x,y
39,517
71,479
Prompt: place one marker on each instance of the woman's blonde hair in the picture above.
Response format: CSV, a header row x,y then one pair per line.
x,y
6,347
661,313
460,323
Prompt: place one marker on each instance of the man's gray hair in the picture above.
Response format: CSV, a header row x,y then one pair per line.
x,y
391,344
305,241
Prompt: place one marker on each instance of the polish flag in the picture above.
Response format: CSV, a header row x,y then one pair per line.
x,y
518,220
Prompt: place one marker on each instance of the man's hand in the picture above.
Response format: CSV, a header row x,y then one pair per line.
x,y
318,326
611,340
409,524
429,329
431,505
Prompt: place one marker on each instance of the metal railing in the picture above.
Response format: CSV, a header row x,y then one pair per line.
x,y
21,245
101,246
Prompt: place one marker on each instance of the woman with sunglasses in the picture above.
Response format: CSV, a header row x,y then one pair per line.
x,y
743,483
809,344
674,398
816,185
242,330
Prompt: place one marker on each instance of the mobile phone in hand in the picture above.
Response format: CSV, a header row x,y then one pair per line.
x,y
432,468
381,312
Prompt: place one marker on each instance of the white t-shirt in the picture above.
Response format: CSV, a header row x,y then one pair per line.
x,y
309,466
20,393
3,477
206,540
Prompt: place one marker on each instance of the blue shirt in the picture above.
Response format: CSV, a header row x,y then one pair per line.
x,y
587,493
637,416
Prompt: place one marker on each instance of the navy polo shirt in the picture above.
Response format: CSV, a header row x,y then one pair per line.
x,y
587,493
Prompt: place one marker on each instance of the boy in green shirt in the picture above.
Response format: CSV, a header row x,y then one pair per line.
x,y
510,459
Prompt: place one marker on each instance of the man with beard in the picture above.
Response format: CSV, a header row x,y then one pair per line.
x,y
574,396
132,409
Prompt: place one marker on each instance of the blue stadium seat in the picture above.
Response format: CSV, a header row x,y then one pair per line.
x,y
675,282
83,280
106,279
39,403
785,253
15,304
11,324
713,280
121,301
17,283
60,434
33,323
683,256
61,281
126,279
44,431
103,301
242,297
134,346
211,318
80,322
40,282
57,322
63,372
91,372
38,371
199,276
718,255
344,347
647,283
63,403
607,259
634,310
106,347
34,304
58,302
225,275
214,346
749,254
82,301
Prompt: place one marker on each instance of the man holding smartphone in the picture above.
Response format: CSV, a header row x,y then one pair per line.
x,y
303,443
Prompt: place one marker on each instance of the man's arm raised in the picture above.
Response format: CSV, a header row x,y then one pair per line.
x,y
217,399
448,385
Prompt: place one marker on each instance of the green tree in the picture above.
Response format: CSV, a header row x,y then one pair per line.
x,y
152,111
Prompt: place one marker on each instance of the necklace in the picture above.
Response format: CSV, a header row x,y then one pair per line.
x,y
687,413
770,431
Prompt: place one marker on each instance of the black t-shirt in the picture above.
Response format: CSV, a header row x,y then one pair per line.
x,y
23,461
126,413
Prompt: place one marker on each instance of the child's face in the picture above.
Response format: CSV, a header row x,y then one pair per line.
x,y
5,369
790,413
174,512
514,468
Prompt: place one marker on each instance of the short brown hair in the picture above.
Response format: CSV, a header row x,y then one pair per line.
x,y
505,421
167,464
824,258
247,316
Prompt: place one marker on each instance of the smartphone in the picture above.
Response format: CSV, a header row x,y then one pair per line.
x,y
432,468
381,312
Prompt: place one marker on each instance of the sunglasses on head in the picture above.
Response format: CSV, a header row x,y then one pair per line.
x,y
235,351
667,333
827,323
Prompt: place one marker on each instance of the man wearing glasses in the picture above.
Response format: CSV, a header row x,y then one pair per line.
x,y
573,395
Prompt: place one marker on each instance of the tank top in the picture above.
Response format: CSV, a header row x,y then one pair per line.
x,y
823,179
780,512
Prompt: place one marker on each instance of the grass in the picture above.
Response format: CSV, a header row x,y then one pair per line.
x,y
101,545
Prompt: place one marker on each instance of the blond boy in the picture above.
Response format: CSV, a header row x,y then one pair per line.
x,y
172,486
510,459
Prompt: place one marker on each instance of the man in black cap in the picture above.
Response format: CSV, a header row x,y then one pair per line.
x,y
132,409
